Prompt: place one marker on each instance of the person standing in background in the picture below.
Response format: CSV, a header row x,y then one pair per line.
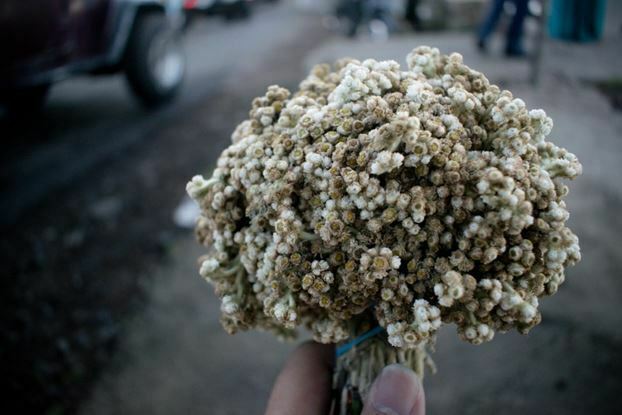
x,y
514,35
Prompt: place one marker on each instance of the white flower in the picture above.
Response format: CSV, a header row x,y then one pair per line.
x,y
385,162
196,186
208,267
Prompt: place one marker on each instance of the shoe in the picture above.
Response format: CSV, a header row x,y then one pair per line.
x,y
481,46
515,52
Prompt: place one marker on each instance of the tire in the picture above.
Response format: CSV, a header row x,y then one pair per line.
x,y
25,101
154,60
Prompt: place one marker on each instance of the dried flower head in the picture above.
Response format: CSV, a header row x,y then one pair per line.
x,y
404,198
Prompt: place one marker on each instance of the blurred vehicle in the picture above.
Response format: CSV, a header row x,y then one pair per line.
x,y
230,9
44,42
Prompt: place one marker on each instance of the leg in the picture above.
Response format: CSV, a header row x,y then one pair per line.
x,y
489,24
355,12
411,13
514,45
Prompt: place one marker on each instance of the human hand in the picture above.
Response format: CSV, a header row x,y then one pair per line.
x,y
304,386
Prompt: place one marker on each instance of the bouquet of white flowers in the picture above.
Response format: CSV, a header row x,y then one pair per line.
x,y
375,204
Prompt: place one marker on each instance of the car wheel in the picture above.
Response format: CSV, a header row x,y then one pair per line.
x,y
154,60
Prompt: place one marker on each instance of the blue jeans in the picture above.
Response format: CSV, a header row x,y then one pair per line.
x,y
514,35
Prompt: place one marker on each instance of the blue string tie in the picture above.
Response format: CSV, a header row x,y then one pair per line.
x,y
344,348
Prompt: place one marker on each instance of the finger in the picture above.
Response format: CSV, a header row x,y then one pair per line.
x,y
303,387
396,391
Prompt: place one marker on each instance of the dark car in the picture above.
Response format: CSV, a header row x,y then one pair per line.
x,y
43,42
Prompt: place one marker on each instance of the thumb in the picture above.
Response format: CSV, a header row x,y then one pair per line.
x,y
396,391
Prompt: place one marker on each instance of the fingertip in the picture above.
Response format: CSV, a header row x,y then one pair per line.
x,y
396,391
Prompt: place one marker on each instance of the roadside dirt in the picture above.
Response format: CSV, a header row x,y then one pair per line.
x,y
76,264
